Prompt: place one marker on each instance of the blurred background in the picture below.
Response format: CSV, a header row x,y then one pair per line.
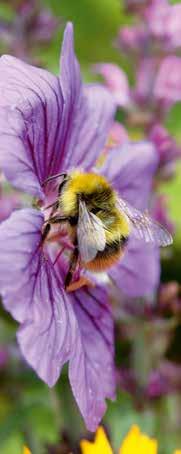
x,y
147,345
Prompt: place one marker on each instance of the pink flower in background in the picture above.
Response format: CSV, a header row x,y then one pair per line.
x,y
167,149
163,22
118,135
168,81
31,25
132,38
116,81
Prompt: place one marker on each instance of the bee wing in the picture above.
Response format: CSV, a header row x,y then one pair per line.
x,y
90,234
144,227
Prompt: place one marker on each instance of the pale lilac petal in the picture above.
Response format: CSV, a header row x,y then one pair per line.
x,y
30,123
174,28
116,81
145,79
164,21
118,135
19,260
138,273
46,338
91,367
34,296
8,203
168,81
166,147
157,17
88,112
134,38
130,169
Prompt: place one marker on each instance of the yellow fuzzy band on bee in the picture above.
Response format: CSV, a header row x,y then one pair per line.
x,y
116,227
85,183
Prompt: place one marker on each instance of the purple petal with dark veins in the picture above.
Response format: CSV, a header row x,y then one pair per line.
x,y
34,296
130,169
49,124
138,273
88,112
20,260
46,339
31,106
91,367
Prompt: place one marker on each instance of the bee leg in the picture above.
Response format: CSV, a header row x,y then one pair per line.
x,y
46,231
62,184
72,267
53,177
58,219
54,207
52,220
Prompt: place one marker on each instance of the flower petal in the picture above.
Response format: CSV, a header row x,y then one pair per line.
x,y
138,273
168,81
116,81
33,295
30,123
130,169
46,338
19,259
8,203
88,111
91,369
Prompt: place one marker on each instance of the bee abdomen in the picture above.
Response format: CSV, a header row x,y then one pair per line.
x,y
109,256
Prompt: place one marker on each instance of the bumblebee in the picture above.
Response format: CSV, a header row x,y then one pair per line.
x,y
99,222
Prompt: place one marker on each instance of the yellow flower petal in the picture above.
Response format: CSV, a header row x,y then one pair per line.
x,y
178,451
99,446
26,450
136,442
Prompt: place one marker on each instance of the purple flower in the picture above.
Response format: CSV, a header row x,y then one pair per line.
x,y
168,81
145,80
31,25
167,149
116,81
52,124
134,38
8,203
163,21
164,380
117,136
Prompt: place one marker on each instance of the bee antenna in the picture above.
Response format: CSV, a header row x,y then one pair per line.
x,y
53,177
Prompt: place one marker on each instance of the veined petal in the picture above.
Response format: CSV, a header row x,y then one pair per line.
x,y
34,296
31,106
138,273
131,168
20,259
88,111
91,368
46,337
